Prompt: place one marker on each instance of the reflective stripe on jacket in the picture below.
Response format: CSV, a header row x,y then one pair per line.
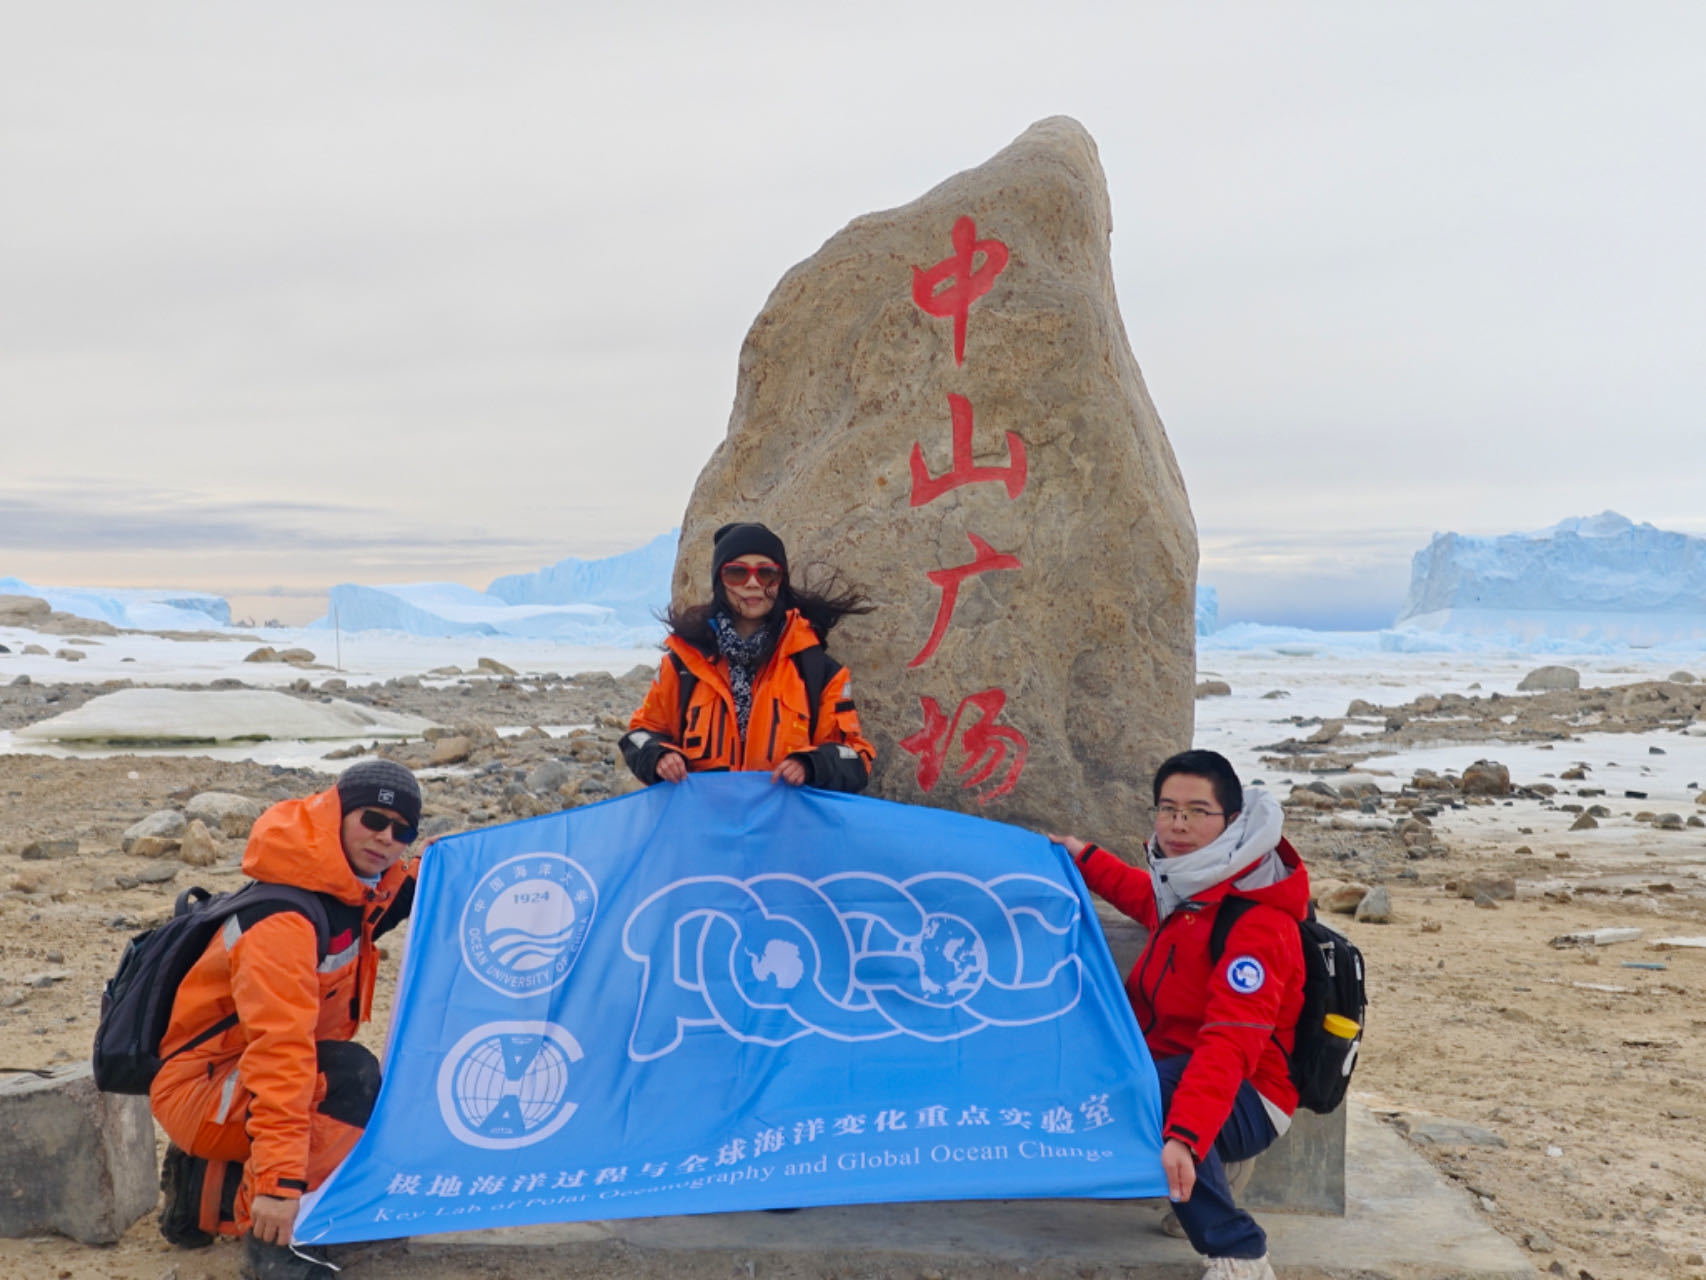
x,y
1236,1016
267,971
707,733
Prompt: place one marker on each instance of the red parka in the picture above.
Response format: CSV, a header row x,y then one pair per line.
x,y
1236,1016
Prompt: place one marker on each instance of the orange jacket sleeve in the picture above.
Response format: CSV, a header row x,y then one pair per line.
x,y
653,728
275,983
840,758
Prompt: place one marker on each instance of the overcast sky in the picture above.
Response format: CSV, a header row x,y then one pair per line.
x,y
297,294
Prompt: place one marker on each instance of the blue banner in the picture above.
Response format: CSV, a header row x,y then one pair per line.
x,y
734,994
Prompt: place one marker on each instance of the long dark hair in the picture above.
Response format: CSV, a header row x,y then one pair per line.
x,y
823,601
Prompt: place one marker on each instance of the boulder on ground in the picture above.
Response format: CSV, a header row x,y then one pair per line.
x,y
941,404
1342,899
46,850
491,666
1550,679
225,812
1498,888
198,847
1213,689
78,1162
22,611
1485,778
266,653
1375,907
166,825
452,749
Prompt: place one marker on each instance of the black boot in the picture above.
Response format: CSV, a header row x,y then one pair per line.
x,y
181,1177
263,1261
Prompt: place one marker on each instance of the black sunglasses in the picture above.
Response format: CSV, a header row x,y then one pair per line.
x,y
401,831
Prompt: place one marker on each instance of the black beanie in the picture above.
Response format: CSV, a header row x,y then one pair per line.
x,y
380,784
735,540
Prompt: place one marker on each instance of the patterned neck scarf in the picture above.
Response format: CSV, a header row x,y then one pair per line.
x,y
743,656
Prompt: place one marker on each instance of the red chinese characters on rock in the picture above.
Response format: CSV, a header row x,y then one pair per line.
x,y
995,753
966,280
989,747
927,488
986,559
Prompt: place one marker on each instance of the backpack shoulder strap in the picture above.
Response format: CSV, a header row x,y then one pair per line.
x,y
1229,913
273,898
270,898
816,670
685,683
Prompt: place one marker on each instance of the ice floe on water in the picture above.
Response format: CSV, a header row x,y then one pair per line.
x,y
181,717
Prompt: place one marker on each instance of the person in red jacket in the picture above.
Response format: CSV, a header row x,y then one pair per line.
x,y
745,682
1220,1029
262,1093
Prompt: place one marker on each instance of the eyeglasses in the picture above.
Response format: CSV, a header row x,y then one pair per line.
x,y
736,574
1190,813
401,831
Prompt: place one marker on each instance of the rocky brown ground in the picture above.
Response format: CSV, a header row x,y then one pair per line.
x,y
1563,1089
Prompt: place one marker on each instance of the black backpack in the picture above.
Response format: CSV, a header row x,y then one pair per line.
x,y
136,1006
1321,1063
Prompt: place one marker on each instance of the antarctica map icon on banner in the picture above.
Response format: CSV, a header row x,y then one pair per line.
x,y
732,994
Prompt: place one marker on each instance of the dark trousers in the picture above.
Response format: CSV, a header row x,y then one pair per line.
x,y
1215,1226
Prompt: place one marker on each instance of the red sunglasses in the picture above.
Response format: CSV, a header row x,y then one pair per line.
x,y
735,574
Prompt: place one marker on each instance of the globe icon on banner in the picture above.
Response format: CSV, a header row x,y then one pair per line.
x,y
507,1084
952,959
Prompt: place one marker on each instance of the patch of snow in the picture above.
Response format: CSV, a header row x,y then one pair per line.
x,y
217,715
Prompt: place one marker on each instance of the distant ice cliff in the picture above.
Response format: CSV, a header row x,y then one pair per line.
x,y
131,608
1593,578
612,601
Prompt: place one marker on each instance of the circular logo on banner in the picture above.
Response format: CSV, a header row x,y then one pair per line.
x,y
526,922
506,1084
1246,975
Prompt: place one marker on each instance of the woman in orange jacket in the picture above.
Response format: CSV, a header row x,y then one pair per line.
x,y
745,682
262,1092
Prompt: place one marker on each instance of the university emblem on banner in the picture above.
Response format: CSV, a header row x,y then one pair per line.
x,y
506,1084
526,922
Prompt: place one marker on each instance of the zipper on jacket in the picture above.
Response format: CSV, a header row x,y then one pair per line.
x,y
722,725
1167,966
775,719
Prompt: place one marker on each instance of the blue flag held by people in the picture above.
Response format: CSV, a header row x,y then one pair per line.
x,y
730,994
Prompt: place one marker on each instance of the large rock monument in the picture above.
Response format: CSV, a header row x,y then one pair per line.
x,y
942,405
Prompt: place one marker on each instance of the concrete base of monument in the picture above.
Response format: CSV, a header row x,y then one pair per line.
x,y
1402,1221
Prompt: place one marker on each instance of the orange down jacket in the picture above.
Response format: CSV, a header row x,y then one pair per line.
x,y
707,733
267,971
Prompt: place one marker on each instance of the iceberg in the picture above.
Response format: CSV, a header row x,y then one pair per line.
x,y
613,601
1586,580
131,608
634,585
1208,610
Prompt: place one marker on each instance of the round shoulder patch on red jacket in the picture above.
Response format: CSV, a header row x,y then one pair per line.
x,y
1245,975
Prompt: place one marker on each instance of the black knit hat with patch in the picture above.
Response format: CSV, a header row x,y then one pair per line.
x,y
380,784
735,540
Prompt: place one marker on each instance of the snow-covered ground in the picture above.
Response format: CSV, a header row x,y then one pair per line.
x,y
360,658
1320,680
